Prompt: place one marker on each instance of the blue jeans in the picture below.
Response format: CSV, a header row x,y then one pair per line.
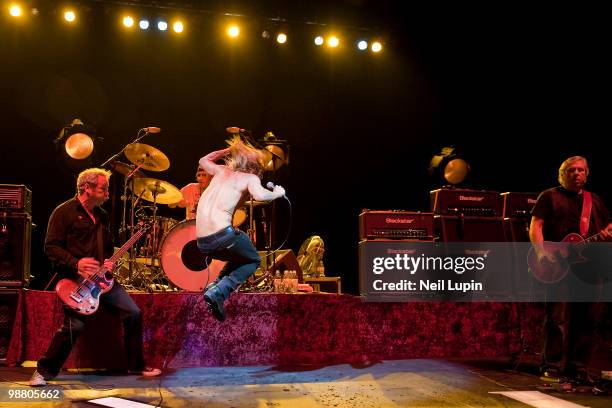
x,y
236,249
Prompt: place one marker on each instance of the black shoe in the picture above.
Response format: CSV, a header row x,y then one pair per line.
x,y
214,300
552,375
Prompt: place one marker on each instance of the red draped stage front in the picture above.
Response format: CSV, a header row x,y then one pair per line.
x,y
279,329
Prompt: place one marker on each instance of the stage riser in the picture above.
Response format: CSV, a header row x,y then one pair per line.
x,y
277,329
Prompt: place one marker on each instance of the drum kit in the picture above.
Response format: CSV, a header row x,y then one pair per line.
x,y
167,258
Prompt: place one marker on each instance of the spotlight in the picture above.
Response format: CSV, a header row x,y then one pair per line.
x,y
162,25
128,21
233,31
362,45
76,139
69,16
15,10
333,41
449,166
177,27
281,38
376,46
143,24
318,40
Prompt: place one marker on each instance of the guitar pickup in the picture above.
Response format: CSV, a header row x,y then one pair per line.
x,y
76,297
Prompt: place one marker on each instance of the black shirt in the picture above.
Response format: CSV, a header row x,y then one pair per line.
x,y
561,210
72,235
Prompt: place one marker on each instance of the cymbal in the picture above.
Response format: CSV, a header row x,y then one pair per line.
x,y
158,191
125,169
273,157
147,156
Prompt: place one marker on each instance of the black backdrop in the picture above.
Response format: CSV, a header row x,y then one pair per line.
x,y
517,90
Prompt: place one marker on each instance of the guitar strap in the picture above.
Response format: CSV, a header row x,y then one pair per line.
x,y
585,217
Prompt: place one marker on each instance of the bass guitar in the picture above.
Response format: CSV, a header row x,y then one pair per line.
x,y
83,294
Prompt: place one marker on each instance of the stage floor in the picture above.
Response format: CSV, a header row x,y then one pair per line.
x,y
394,383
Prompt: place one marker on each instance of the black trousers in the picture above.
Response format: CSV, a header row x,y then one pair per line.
x,y
572,331
118,302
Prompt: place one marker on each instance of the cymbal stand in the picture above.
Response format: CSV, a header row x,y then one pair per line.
x,y
155,229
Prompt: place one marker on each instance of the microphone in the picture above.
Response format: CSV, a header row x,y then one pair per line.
x,y
270,185
235,129
152,129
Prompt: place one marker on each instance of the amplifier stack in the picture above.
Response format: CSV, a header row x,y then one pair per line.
x,y
396,225
463,215
15,235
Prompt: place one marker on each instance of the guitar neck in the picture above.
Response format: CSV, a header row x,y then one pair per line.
x,y
128,244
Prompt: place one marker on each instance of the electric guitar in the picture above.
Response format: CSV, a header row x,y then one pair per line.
x,y
83,294
551,272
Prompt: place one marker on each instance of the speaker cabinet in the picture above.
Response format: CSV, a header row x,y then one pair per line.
x,y
9,299
456,228
15,247
283,260
517,229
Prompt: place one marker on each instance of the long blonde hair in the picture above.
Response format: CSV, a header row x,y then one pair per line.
x,y
244,157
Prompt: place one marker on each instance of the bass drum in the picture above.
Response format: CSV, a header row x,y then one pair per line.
x,y
182,261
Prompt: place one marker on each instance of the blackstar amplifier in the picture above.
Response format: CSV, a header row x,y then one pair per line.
x,y
15,198
453,201
396,225
518,204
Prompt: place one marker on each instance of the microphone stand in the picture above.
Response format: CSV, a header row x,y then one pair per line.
x,y
127,180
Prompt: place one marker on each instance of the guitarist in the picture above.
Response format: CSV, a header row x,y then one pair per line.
x,y
78,240
560,211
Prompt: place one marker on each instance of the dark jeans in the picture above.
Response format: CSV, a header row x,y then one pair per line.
x,y
117,301
236,249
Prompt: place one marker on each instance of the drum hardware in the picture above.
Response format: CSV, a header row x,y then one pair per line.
x,y
142,156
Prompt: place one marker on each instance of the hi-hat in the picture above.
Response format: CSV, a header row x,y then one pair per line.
x,y
125,169
255,203
158,191
147,157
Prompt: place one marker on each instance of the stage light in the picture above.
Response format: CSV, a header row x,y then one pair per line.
x,y
128,22
69,16
177,27
162,25
318,40
233,31
143,24
376,46
281,38
265,34
362,45
15,10
77,140
449,166
333,41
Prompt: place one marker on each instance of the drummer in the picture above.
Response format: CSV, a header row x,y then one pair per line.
x,y
192,192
